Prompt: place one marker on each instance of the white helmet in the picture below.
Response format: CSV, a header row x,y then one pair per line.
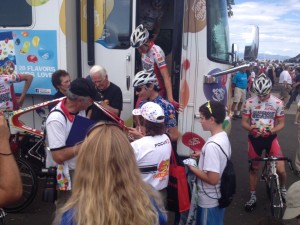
x,y
139,37
144,77
262,85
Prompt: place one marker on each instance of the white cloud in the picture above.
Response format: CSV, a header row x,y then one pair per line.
x,y
278,22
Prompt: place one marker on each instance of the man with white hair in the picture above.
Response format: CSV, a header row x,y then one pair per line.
x,y
111,94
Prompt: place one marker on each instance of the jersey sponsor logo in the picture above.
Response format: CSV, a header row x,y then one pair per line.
x,y
263,115
167,141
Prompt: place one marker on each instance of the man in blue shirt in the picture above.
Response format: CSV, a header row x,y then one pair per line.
x,y
239,84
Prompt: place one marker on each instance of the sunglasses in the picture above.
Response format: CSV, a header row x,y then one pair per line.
x,y
138,89
209,107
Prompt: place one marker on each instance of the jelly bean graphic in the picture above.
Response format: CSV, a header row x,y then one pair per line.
x,y
11,57
32,58
10,46
6,40
36,2
24,34
17,41
35,41
45,54
25,48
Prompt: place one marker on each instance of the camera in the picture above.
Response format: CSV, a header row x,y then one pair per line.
x,y
50,192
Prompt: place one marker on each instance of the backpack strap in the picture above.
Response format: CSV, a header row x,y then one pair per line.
x,y
220,148
54,110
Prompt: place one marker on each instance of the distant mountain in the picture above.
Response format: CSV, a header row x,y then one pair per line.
x,y
263,56
295,59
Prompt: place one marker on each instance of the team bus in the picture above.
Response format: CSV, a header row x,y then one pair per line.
x,y
40,36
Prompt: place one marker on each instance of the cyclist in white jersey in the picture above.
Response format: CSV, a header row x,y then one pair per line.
x,y
153,58
259,116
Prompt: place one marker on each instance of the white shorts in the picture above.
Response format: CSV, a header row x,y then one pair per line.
x,y
239,95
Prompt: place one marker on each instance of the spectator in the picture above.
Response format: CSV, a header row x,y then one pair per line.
x,y
293,203
108,188
240,84
271,74
263,117
296,88
150,15
285,82
145,86
153,58
10,183
211,164
80,96
297,158
111,95
9,101
153,151
61,81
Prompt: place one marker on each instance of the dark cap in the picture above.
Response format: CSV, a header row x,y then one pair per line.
x,y
85,88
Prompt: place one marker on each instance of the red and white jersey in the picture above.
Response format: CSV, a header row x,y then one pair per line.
x,y
7,95
155,60
263,114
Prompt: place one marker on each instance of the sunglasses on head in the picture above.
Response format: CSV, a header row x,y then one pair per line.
x,y
209,107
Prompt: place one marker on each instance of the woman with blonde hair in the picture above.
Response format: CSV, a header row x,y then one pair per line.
x,y
108,188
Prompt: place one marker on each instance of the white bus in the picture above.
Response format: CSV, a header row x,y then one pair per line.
x,y
41,36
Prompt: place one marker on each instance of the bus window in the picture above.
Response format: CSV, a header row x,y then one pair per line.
x,y
117,28
217,31
15,13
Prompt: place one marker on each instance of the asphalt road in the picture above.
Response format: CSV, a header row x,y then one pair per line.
x,y
41,213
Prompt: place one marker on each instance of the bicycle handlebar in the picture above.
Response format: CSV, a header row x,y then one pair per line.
x,y
272,159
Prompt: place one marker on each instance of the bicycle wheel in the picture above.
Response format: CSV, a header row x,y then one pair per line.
x,y
30,187
276,199
265,177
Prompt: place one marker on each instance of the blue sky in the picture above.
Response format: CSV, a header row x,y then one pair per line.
x,y
278,22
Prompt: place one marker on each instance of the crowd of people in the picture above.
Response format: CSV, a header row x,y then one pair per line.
x,y
117,177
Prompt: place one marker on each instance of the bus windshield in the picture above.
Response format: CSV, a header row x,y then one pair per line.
x,y
217,31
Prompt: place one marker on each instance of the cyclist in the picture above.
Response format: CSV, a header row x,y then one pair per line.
x,y
145,86
9,101
153,58
260,114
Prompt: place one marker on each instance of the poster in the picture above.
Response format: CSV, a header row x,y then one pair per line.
x,y
30,52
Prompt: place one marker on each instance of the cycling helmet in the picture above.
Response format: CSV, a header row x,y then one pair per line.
x,y
144,77
139,37
158,4
262,85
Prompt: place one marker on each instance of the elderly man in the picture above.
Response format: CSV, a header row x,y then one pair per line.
x,y
59,123
111,95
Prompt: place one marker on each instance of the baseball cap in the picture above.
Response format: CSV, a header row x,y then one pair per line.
x,y
151,112
85,88
292,202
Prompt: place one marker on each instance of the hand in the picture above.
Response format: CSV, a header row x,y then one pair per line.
x,y
195,155
20,101
4,131
190,162
256,132
266,133
178,107
134,134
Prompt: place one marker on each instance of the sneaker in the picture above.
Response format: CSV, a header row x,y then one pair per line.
x,y
250,205
283,194
235,117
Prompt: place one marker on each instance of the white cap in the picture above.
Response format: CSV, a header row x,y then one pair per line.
x,y
292,201
151,112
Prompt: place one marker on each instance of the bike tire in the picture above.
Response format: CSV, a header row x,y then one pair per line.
x,y
30,187
265,177
276,199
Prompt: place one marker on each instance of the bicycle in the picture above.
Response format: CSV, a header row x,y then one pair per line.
x,y
271,178
28,145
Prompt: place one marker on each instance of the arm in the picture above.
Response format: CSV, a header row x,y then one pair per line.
x,y
167,80
10,180
279,126
28,79
173,133
209,177
66,153
111,109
